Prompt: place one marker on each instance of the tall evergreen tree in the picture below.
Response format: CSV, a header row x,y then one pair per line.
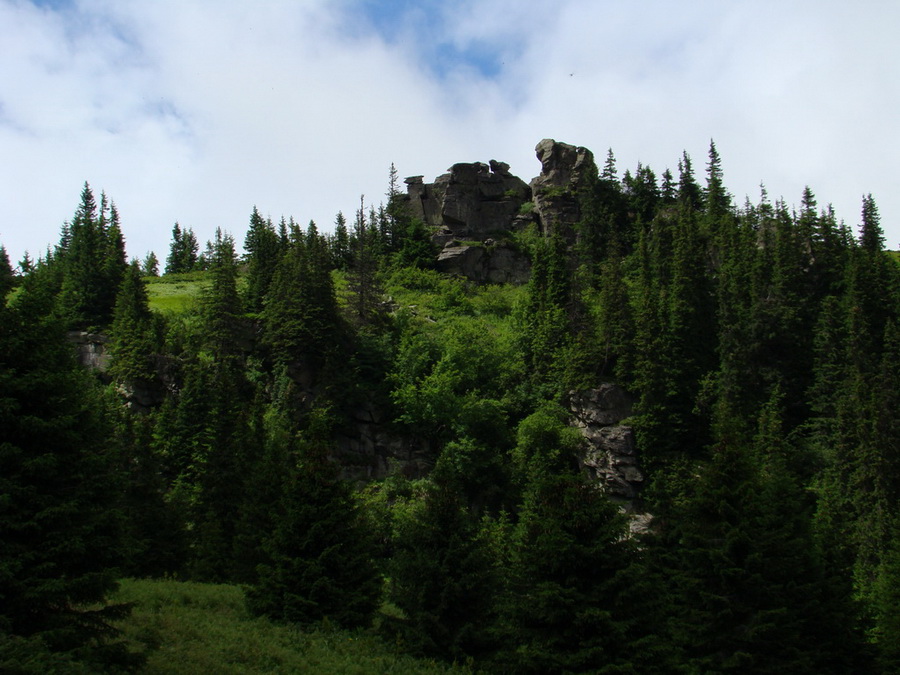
x,y
131,331
263,251
182,251
150,265
7,276
93,265
60,527
570,567
221,304
320,555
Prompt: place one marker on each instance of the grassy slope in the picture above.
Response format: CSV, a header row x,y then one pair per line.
x,y
175,292
187,627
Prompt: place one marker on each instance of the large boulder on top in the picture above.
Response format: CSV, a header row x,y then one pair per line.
x,y
565,170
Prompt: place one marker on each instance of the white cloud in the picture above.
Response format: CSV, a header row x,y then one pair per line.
x,y
196,111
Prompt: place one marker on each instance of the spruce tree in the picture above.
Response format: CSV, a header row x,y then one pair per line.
x,y
220,303
567,606
320,554
131,332
7,276
263,251
60,525
442,577
150,266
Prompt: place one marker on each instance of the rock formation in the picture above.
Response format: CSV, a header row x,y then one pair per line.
x,y
564,171
91,349
472,210
475,206
609,455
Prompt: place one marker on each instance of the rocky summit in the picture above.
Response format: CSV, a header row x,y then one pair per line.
x,y
475,207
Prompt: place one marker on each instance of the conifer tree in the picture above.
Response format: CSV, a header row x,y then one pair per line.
x,y
182,251
150,265
363,275
565,608
131,331
690,195
718,202
7,276
320,555
263,251
93,265
221,305
441,576
60,526
301,322
340,244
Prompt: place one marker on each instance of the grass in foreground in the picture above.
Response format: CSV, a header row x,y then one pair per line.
x,y
186,627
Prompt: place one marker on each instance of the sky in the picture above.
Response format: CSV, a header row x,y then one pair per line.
x,y
197,111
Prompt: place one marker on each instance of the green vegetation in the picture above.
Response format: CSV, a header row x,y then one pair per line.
x,y
175,292
377,463
189,627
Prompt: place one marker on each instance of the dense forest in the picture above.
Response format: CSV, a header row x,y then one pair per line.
x,y
758,346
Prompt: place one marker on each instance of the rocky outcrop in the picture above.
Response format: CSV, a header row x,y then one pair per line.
x,y
475,203
485,263
367,451
564,171
92,349
609,455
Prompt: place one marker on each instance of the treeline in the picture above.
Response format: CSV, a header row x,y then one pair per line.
x,y
760,343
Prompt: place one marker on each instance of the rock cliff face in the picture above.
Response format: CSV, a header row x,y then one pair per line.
x,y
366,451
564,170
609,454
91,349
475,206
469,208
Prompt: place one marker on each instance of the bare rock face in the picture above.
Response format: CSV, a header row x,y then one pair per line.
x,y
609,454
92,349
485,264
474,203
564,170
366,451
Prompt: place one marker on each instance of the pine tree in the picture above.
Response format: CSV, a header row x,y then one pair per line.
x,y
182,251
220,303
320,555
570,566
150,265
718,202
363,276
131,331
301,324
340,244
441,577
7,276
92,266
60,527
263,251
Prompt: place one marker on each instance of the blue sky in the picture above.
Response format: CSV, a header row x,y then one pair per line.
x,y
195,111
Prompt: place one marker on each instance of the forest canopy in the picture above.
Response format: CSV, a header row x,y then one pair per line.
x,y
358,437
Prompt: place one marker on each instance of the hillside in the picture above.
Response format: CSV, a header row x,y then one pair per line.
x,y
584,423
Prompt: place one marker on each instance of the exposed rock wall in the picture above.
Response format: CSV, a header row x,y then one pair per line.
x,y
476,203
367,451
91,349
609,453
469,208
564,171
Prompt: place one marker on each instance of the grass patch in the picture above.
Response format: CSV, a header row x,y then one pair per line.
x,y
175,292
186,627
